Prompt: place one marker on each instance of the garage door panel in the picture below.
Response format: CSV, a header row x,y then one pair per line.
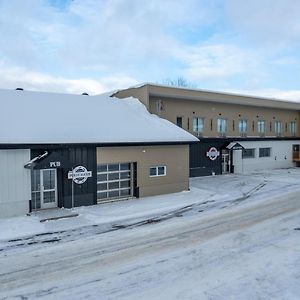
x,y
114,181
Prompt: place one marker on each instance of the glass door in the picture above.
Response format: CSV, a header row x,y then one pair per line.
x,y
48,188
225,162
43,189
36,189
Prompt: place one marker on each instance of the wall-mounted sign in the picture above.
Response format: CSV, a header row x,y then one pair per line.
x,y
79,174
54,164
212,153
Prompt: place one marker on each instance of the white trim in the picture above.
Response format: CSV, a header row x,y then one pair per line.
x,y
158,175
43,190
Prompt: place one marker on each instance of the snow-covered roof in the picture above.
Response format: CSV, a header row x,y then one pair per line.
x,y
46,118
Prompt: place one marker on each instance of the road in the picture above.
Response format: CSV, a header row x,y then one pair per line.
x,y
188,257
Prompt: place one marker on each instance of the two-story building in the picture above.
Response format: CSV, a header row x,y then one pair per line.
x,y
237,133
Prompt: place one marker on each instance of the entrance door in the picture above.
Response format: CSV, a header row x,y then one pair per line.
x,y
48,188
44,189
225,162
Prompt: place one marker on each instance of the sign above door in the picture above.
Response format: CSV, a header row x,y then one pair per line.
x,y
48,161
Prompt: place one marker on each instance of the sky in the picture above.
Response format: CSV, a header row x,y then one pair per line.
x,y
94,46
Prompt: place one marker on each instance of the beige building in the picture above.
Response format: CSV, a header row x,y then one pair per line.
x,y
144,170
219,119
214,114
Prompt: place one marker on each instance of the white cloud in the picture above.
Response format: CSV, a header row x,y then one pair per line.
x,y
215,61
270,22
13,77
96,45
285,61
119,34
289,95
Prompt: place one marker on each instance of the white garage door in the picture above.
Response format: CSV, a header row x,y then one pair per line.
x,y
114,181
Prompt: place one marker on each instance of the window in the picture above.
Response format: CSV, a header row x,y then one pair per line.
x,y
261,126
179,122
243,126
222,125
158,171
159,106
198,124
278,127
264,152
293,128
248,153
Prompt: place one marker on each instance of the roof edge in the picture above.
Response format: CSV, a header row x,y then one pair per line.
x,y
277,100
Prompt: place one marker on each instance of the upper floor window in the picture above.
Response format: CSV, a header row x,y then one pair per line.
x,y
179,122
198,124
293,128
159,106
222,125
261,126
243,126
278,127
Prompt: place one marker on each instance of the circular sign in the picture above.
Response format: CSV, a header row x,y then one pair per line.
x,y
212,153
79,174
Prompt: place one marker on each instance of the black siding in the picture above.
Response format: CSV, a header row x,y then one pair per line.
x,y
84,194
200,164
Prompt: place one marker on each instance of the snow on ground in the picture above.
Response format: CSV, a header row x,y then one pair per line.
x,y
206,194
244,249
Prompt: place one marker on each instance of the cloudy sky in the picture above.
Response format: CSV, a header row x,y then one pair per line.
x,y
74,46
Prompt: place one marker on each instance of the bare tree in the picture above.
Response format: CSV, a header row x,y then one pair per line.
x,y
180,82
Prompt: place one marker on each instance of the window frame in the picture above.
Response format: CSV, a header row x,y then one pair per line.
x,y
243,126
220,122
181,118
261,154
276,123
259,127
197,125
293,132
246,157
156,171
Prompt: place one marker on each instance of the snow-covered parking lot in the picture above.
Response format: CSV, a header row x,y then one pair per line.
x,y
229,237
